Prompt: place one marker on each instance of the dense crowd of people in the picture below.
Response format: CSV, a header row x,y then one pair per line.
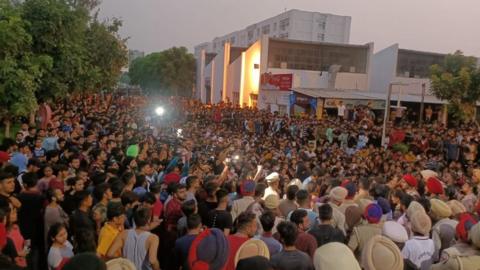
x,y
101,182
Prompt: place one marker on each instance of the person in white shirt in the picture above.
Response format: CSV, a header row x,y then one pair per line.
x,y
273,180
420,249
341,110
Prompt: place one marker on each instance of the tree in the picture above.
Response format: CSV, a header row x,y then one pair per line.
x,y
457,80
58,30
107,54
170,72
20,69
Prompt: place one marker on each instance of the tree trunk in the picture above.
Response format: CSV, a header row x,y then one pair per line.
x,y
31,119
7,128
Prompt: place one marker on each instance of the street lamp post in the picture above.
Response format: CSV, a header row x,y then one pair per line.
x,y
422,104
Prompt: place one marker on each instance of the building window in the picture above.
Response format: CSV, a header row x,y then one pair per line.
x,y
321,37
266,29
232,40
318,57
322,25
250,35
274,27
283,35
284,24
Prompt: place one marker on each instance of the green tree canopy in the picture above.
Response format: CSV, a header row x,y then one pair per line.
x,y
20,69
170,72
51,48
457,80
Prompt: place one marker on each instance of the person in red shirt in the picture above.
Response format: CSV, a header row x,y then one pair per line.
x,y
172,213
246,229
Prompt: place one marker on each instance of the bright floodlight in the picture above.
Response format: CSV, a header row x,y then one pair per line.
x,y
159,111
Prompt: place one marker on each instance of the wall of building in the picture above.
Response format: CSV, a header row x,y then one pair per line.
x,y
233,83
320,80
250,75
413,87
200,77
384,66
303,25
217,86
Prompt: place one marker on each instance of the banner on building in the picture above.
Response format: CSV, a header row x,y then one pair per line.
x,y
271,81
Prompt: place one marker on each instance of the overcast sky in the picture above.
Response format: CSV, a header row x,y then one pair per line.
x,y
430,25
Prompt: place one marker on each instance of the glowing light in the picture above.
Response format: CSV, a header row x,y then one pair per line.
x,y
160,111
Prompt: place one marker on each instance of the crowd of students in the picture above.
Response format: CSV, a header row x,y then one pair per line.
x,y
103,183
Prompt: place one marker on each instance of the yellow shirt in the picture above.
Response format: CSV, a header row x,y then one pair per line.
x,y
108,233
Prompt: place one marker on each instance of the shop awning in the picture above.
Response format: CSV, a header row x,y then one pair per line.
x,y
361,95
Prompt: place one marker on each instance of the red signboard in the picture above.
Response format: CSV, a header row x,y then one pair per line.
x,y
271,81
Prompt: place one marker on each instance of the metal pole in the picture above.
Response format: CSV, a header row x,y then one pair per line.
x,y
387,112
422,105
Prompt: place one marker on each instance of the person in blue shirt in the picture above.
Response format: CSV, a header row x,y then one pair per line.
x,y
182,244
51,141
20,157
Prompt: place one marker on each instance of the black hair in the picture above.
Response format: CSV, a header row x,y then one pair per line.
x,y
149,198
85,260
129,197
100,190
50,194
291,192
30,179
60,168
297,216
188,207
127,176
81,196
211,188
9,169
405,200
260,189
34,162
325,212
190,179
5,175
117,188
244,219
302,196
425,203
85,241
156,188
288,233
220,194
141,180
193,221
114,210
175,187
267,220
364,183
53,153
71,181
99,178
142,216
53,231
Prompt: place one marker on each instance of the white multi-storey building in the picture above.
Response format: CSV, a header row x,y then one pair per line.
x,y
293,25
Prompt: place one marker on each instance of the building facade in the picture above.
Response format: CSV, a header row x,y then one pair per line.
x,y
409,69
293,25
